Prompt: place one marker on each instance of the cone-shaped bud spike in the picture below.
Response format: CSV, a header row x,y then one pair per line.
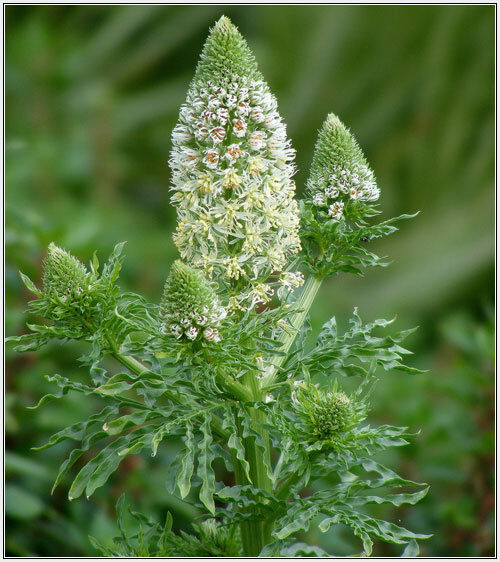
x,y
189,307
232,168
64,277
340,175
226,52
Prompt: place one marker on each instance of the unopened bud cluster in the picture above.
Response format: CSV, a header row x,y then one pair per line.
x,y
327,415
189,308
340,175
232,168
66,280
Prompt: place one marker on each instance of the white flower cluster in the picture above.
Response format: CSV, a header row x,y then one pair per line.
x,y
232,168
343,185
191,323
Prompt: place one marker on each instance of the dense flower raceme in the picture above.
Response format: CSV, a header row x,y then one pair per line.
x,y
189,308
341,179
232,168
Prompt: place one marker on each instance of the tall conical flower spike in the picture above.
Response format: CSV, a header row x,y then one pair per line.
x,y
189,307
340,175
232,168
65,277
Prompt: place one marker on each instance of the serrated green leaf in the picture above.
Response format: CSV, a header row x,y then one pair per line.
x,y
183,480
411,550
30,285
116,426
234,442
96,472
76,431
298,518
301,549
205,470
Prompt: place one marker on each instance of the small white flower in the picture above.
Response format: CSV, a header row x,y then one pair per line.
x,y
180,134
219,91
292,279
201,319
211,334
231,100
213,103
176,330
221,313
211,158
234,152
191,333
336,210
239,127
200,132
243,108
355,193
222,115
231,179
190,156
208,116
319,199
185,321
332,192
257,114
257,140
218,134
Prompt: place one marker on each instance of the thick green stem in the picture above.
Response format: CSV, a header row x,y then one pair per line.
x,y
303,305
255,534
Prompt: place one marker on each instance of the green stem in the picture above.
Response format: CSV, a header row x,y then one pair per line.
x,y
255,534
303,305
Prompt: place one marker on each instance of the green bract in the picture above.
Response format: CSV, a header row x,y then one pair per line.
x,y
189,307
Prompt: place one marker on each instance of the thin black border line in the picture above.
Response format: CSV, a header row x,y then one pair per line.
x,y
495,4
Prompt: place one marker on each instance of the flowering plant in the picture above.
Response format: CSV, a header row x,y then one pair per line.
x,y
223,362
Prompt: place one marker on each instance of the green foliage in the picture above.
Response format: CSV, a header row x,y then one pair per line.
x,y
152,539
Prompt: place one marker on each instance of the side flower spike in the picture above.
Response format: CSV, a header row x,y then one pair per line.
x,y
340,196
65,278
189,307
232,167
340,176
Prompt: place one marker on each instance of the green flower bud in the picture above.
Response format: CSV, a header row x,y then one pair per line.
x,y
331,415
189,307
65,278
340,179
326,415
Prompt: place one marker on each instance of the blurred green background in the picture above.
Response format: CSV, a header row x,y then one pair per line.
x,y
92,94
